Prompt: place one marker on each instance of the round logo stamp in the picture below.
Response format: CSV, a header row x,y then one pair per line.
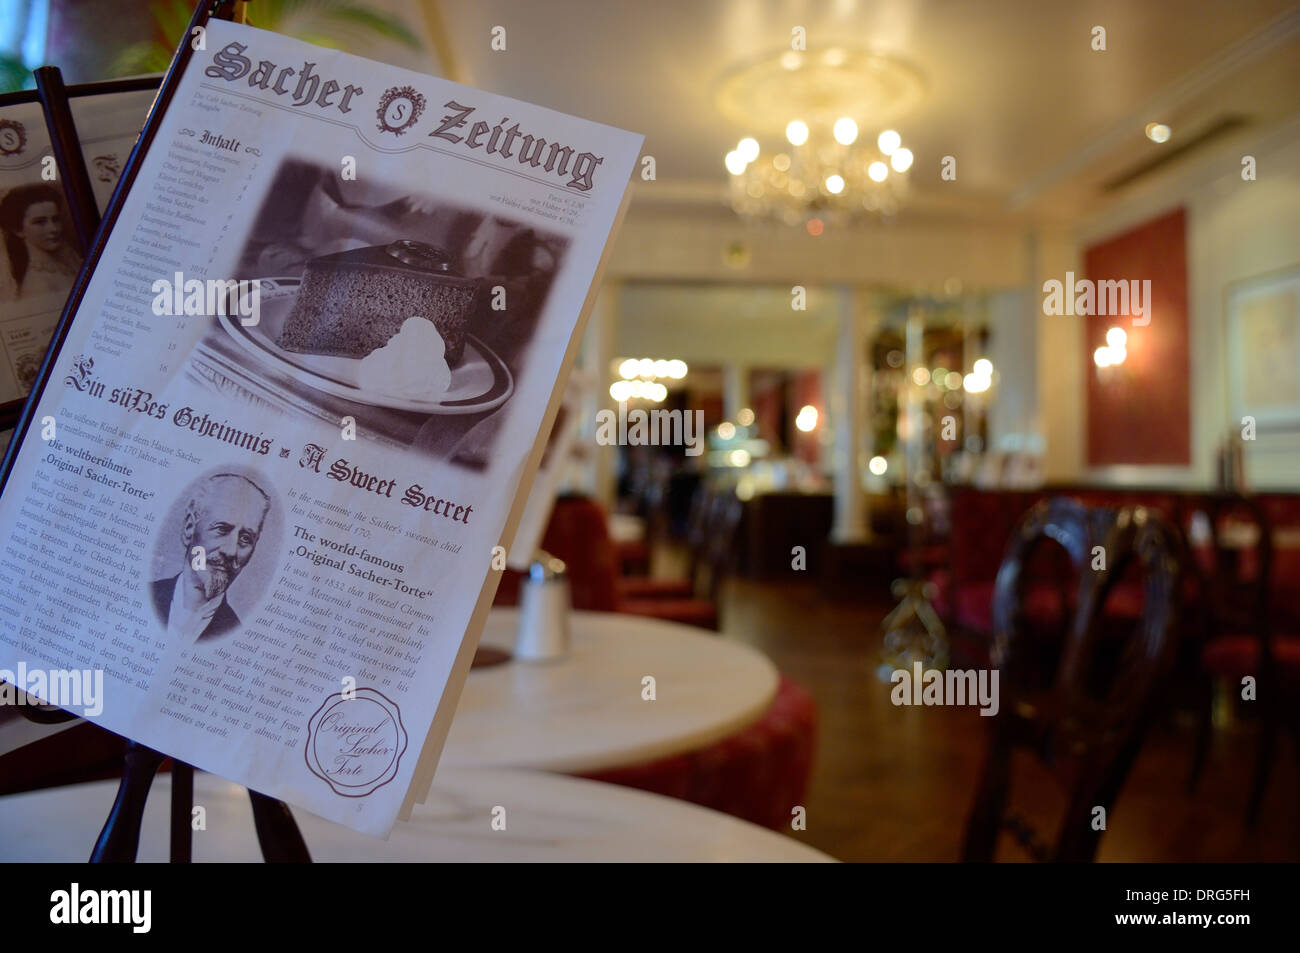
x,y
13,137
354,744
399,108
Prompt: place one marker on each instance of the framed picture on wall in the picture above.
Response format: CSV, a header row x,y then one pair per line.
x,y
1263,336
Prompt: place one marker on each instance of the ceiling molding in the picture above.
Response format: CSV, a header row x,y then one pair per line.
x,y
1215,70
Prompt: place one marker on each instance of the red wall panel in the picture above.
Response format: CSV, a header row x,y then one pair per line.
x,y
1140,412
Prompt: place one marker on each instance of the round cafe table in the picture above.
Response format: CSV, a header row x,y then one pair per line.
x,y
548,818
585,713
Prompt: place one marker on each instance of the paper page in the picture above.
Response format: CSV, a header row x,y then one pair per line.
x,y
271,526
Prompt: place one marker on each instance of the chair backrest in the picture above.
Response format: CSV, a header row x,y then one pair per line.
x,y
1090,715
719,548
1242,535
697,527
578,534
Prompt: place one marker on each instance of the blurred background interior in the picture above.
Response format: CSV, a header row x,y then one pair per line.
x,y
836,252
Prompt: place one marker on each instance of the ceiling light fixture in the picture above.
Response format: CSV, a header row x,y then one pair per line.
x,y
808,153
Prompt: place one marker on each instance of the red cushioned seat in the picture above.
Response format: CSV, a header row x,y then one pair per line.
x,y
633,557
1238,654
1126,600
973,605
759,774
698,612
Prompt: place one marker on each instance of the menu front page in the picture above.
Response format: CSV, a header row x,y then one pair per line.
x,y
263,483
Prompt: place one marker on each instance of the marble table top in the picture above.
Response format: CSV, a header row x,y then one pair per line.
x,y
548,818
586,713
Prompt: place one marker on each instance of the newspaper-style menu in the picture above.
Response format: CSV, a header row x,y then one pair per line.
x,y
288,423
38,250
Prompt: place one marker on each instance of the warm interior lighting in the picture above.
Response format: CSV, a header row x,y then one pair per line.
x,y
1113,353
888,141
745,417
726,430
878,465
735,162
748,149
677,369
920,377
739,457
980,378
845,131
835,184
806,420
901,160
629,369
797,133
1158,132
877,171
815,226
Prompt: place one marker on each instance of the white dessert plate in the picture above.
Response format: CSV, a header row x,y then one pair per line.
x,y
482,382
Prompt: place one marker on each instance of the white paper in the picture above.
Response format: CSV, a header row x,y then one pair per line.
x,y
345,532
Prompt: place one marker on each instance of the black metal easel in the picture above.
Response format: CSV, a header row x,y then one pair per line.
x,y
277,832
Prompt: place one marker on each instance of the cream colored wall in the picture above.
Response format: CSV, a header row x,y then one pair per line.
x,y
1235,230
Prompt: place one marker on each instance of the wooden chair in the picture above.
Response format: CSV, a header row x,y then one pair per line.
x,y
697,536
715,560
1240,641
1083,709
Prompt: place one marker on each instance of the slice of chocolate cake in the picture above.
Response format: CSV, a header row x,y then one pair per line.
x,y
351,303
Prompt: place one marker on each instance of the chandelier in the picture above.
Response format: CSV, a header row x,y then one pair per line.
x,y
841,157
821,176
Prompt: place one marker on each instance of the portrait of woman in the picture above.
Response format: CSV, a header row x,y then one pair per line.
x,y
40,259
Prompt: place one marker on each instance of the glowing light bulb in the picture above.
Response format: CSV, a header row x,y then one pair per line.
x,y
845,131
1116,338
888,141
735,162
748,149
901,160
877,171
1158,132
835,184
797,133
983,367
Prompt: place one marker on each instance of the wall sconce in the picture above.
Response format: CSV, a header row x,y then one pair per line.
x,y
1114,352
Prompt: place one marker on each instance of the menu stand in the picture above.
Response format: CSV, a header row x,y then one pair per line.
x,y
277,832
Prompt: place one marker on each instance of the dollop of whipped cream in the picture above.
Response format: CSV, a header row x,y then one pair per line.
x,y
413,364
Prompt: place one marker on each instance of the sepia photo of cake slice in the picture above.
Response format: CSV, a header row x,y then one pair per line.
x,y
352,303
